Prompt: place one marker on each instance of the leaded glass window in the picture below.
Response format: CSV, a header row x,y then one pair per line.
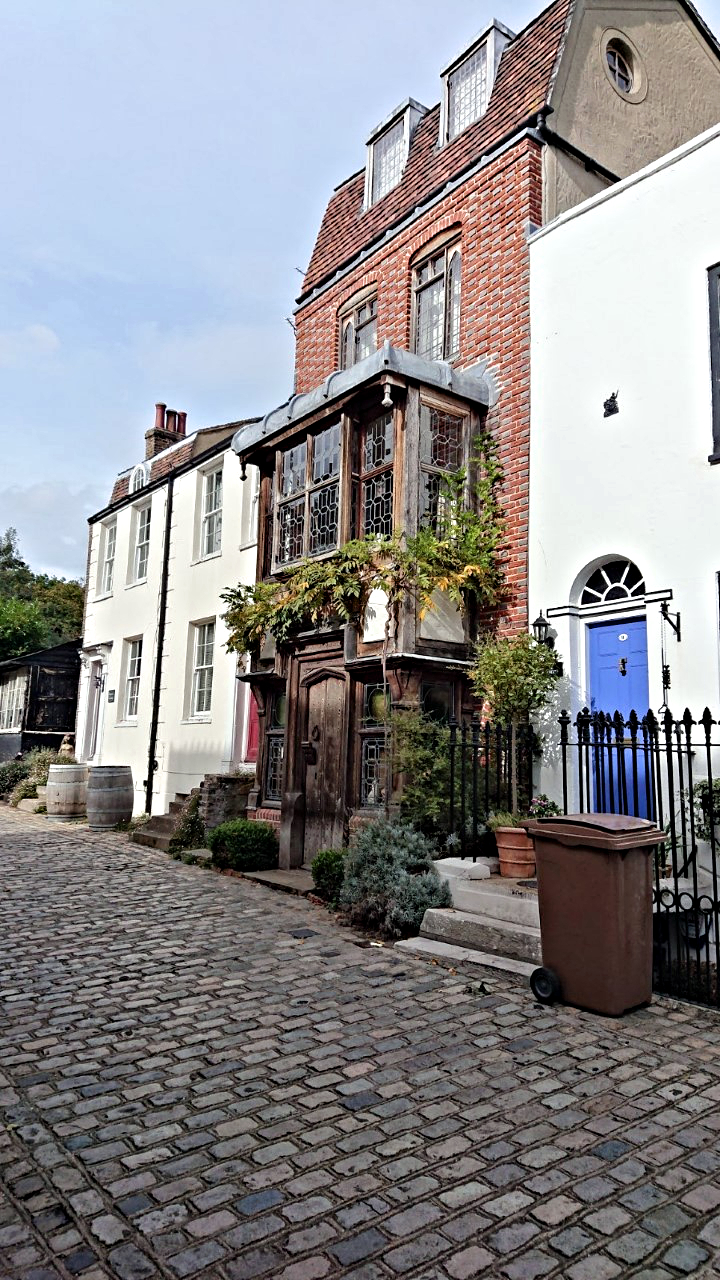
x,y
442,454
373,514
467,92
436,289
388,157
308,497
358,333
275,749
373,772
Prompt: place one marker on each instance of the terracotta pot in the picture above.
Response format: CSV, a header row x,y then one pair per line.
x,y
516,852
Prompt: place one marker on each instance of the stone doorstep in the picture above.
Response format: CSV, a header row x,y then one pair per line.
x,y
464,955
483,933
30,805
297,880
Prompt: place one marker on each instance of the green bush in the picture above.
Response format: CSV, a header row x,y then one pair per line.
x,y
391,879
190,830
241,845
328,872
11,774
26,789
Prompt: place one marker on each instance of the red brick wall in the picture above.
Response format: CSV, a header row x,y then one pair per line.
x,y
492,210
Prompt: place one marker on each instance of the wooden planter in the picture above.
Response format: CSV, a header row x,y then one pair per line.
x,y
516,852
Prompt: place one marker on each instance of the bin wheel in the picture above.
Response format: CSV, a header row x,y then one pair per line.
x,y
545,986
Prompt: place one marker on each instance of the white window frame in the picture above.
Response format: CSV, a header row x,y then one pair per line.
x,y
407,115
139,477
131,684
201,682
494,39
12,703
211,515
108,553
142,517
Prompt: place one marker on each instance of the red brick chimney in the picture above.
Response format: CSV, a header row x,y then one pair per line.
x,y
169,427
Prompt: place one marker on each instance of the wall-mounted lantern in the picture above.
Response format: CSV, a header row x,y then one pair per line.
x,y
541,633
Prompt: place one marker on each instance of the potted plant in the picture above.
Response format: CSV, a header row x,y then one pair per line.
x,y
514,676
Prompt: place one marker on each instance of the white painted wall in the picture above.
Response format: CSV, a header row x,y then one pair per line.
x,y
187,748
619,301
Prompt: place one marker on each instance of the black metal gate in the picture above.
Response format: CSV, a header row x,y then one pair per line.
x,y
661,769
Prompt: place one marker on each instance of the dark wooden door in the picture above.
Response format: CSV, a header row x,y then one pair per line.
x,y
323,749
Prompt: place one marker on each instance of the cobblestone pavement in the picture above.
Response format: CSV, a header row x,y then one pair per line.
x,y
201,1077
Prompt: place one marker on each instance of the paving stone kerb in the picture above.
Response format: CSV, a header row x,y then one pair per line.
x,y
187,1089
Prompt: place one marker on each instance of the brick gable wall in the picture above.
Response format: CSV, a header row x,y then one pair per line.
x,y
492,210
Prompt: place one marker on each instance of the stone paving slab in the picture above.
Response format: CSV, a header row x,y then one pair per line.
x,y
200,1077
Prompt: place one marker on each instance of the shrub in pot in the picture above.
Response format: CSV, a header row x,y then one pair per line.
x,y
241,845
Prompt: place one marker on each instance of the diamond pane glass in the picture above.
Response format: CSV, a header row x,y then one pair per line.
x,y
388,155
434,500
291,532
442,444
323,519
326,454
378,506
274,770
347,355
372,772
366,341
293,469
378,443
466,92
452,326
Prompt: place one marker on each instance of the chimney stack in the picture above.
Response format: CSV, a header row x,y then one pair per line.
x,y
169,427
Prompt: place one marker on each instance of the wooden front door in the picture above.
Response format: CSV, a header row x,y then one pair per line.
x,y
323,750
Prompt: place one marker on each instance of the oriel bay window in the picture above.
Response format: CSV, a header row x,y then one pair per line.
x,y
436,304
442,454
308,499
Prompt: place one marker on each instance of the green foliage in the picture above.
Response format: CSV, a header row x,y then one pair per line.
x,y
515,675
460,557
503,818
421,753
391,880
543,807
244,846
22,627
36,611
190,830
26,789
328,871
11,773
701,807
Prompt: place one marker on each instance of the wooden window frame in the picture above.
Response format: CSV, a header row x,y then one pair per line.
x,y
451,251
348,318
305,494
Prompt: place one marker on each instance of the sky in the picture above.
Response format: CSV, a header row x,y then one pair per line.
x,y
165,172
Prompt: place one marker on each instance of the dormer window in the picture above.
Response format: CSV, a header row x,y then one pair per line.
x,y
139,477
468,81
387,151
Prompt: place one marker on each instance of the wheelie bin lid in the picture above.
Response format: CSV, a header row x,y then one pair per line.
x,y
611,831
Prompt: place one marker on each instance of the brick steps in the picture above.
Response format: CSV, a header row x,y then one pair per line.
x,y
159,831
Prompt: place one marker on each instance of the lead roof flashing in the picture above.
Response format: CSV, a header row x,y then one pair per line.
x,y
468,384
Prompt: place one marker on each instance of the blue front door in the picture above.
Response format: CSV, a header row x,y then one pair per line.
x,y
618,673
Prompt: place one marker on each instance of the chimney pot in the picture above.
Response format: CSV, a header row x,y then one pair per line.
x,y
159,417
182,423
171,420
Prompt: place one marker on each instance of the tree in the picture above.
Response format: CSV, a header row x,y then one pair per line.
x,y
22,627
16,577
61,605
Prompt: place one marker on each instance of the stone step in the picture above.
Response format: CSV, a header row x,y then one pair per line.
x,y
496,899
464,955
176,806
152,840
161,824
483,933
30,805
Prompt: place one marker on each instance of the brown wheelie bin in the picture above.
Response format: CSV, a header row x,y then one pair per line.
x,y
594,875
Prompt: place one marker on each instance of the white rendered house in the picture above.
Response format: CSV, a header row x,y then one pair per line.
x,y
624,490
158,690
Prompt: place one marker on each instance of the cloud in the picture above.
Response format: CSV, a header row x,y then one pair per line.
x,y
27,346
51,524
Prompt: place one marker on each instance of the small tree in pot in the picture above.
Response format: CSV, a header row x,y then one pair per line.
x,y
515,677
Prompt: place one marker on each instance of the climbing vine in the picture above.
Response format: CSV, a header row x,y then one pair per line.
x,y
460,556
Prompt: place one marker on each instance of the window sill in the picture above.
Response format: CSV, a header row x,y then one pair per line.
x,y
214,555
197,720
104,595
126,724
140,582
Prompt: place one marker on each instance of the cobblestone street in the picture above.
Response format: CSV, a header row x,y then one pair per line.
x,y
202,1077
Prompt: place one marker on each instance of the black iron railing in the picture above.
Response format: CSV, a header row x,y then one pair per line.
x,y
490,770
664,769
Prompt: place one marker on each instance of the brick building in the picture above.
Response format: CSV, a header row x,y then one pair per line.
x,y
419,282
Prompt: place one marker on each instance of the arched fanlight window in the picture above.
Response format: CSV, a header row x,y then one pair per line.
x,y
139,477
615,580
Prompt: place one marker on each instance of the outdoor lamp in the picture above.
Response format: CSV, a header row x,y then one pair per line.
x,y
540,630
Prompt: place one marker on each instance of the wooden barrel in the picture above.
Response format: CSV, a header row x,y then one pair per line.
x,y
66,796
109,796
